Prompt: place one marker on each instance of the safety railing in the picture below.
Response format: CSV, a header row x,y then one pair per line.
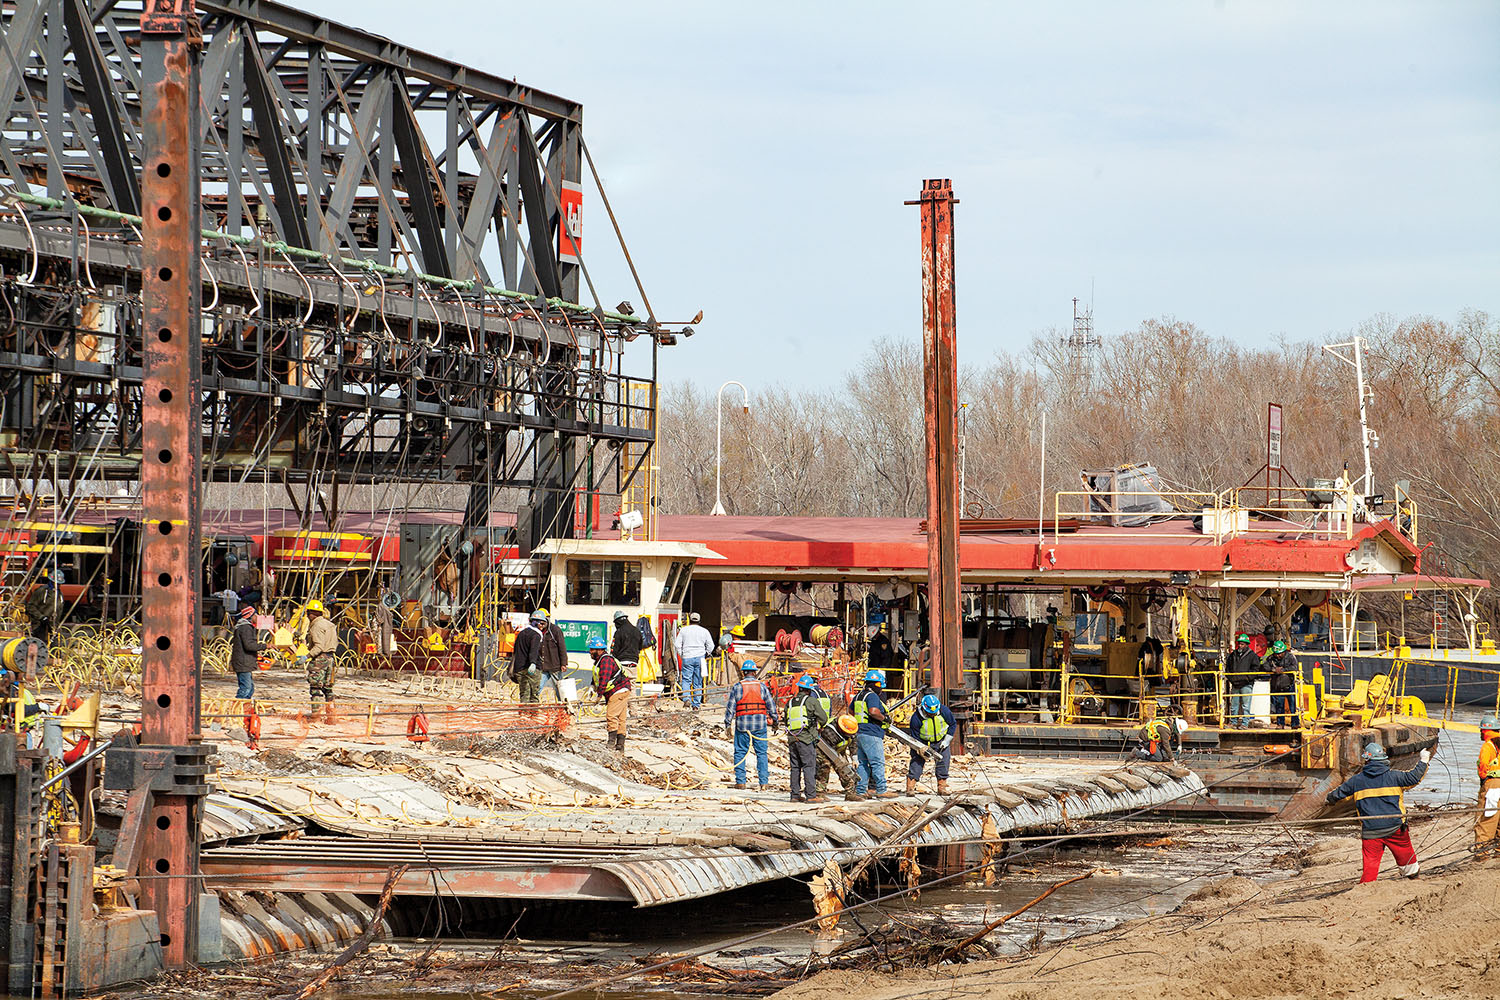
x,y
1328,510
1308,512
1122,508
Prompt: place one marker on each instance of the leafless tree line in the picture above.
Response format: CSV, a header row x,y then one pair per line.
x,y
1167,392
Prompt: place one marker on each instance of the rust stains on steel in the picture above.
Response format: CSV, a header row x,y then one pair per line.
x,y
940,409
171,446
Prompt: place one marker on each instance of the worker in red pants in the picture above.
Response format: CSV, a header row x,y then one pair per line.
x,y
1377,794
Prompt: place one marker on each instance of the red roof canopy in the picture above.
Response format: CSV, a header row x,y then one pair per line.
x,y
870,547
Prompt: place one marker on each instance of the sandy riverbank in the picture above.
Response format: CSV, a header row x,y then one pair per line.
x,y
1317,935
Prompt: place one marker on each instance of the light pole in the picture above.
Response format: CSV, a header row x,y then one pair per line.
x,y
719,510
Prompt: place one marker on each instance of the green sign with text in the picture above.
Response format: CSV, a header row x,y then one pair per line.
x,y
576,634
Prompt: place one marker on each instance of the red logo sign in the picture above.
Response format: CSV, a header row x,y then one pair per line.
x,y
570,230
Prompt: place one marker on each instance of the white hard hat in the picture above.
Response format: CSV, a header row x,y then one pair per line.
x,y
1181,724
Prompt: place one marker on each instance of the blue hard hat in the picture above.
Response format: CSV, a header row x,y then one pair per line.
x,y
748,667
930,704
806,682
875,677
597,642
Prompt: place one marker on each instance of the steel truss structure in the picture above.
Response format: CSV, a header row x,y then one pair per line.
x,y
391,264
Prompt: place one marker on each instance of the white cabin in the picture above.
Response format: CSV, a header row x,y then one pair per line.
x,y
590,579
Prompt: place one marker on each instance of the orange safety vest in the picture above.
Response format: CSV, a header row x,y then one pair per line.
x,y
752,699
1489,768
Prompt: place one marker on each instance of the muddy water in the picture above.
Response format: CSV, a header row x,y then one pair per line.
x,y
1129,881
1452,777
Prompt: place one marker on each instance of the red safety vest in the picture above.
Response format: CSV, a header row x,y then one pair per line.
x,y
752,699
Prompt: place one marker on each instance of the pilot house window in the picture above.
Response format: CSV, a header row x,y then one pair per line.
x,y
604,582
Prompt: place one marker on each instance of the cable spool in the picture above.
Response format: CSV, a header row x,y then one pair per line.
x,y
788,643
14,652
826,635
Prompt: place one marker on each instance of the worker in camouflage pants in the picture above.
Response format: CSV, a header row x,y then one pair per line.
x,y
322,643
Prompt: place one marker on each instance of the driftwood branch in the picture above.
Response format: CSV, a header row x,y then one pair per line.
x,y
977,935
360,943
895,839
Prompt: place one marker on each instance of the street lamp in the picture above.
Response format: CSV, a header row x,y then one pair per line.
x,y
719,510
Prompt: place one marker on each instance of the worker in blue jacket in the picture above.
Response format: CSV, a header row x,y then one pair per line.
x,y
1378,794
869,711
933,725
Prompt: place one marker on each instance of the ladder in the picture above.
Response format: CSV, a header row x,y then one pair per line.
x,y
1440,618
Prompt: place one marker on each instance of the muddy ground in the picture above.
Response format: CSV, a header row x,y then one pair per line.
x,y
1317,935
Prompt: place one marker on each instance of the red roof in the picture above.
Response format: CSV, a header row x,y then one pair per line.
x,y
831,546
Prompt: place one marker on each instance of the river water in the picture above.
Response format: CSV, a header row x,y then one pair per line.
x,y
1148,876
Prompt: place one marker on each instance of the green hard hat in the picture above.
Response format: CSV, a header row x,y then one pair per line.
x,y
1279,646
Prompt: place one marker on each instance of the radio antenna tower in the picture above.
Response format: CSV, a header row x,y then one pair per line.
x,y
1082,342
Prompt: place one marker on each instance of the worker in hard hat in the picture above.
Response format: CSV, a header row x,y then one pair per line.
x,y
1282,663
44,606
627,644
1377,793
539,650
612,685
749,710
1487,822
934,726
869,742
835,744
322,645
805,716
1241,670
244,651
695,644
1160,739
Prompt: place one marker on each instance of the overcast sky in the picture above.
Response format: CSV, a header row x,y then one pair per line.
x,y
1261,169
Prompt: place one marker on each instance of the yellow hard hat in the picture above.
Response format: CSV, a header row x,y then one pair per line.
x,y
848,725
314,605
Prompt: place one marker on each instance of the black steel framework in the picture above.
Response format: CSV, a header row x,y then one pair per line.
x,y
391,269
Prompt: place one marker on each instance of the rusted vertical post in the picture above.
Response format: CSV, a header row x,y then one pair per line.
x,y
940,408
171,446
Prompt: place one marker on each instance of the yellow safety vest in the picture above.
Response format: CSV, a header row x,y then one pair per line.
x,y
933,729
28,713
797,715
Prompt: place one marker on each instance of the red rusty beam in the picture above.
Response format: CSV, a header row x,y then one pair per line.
x,y
940,410
477,882
171,449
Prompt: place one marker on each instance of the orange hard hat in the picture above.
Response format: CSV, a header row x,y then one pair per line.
x,y
847,725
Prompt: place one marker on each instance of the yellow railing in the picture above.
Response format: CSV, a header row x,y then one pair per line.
x,y
1244,510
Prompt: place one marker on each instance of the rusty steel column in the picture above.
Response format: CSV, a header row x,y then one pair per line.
x,y
171,447
940,410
